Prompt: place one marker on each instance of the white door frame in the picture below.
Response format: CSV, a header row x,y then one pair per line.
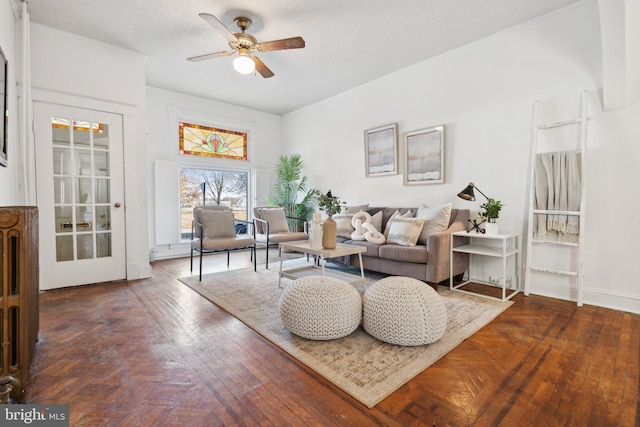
x,y
135,165
106,221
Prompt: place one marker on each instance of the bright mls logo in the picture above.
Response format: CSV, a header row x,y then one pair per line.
x,y
35,415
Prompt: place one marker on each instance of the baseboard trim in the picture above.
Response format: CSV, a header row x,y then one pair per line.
x,y
598,297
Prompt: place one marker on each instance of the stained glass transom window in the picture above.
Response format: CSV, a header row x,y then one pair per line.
x,y
199,140
60,123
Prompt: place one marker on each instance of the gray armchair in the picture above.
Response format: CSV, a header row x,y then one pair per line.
x,y
213,230
272,228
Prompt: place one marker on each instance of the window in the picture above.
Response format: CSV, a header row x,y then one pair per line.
x,y
199,140
222,187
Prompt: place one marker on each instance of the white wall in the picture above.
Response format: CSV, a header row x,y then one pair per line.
x,y
164,110
8,175
483,94
77,71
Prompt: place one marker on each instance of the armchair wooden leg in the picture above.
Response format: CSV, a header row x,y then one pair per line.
x,y
191,267
255,258
200,266
228,258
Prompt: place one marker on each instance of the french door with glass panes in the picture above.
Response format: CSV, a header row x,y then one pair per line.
x,y
80,195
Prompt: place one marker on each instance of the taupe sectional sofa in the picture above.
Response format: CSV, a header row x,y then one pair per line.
x,y
427,262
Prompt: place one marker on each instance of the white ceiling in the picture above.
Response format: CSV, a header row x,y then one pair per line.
x,y
348,43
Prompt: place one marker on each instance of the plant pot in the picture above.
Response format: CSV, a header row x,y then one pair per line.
x,y
491,228
329,234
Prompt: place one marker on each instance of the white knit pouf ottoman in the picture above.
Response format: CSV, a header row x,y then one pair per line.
x,y
404,311
320,308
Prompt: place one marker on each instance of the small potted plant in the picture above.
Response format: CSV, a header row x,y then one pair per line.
x,y
331,205
491,213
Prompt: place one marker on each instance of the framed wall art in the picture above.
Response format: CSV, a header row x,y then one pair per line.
x,y
381,150
199,140
424,156
4,104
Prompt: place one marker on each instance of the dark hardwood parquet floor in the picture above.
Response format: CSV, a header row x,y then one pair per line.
x,y
153,352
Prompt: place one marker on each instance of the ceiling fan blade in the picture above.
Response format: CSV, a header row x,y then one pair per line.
x,y
210,56
262,69
290,43
216,24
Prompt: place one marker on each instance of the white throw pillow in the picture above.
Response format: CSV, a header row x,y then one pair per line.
x,y
343,225
436,220
405,231
276,218
395,215
376,221
217,224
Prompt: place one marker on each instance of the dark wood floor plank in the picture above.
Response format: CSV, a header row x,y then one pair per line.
x,y
153,352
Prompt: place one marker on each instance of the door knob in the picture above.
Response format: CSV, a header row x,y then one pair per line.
x,y
117,205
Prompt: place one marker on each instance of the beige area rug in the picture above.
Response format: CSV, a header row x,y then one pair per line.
x,y
367,369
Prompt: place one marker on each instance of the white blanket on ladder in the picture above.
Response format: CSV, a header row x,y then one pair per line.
x,y
557,187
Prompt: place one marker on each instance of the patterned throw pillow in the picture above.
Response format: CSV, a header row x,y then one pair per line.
x,y
436,220
343,224
395,215
405,231
276,218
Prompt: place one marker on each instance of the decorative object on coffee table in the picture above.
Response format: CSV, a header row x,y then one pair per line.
x,y
331,205
320,308
316,232
404,311
329,233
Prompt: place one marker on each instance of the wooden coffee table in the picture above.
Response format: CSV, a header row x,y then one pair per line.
x,y
304,246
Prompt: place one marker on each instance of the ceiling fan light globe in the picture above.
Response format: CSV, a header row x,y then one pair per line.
x,y
244,64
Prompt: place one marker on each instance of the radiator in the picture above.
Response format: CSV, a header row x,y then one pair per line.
x,y
19,298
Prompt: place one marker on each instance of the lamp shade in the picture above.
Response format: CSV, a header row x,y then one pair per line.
x,y
244,64
467,193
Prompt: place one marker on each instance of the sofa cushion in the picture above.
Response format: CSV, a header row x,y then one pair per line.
x,y
343,225
436,220
372,248
413,254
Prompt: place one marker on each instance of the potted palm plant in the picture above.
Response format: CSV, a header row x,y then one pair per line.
x,y
291,190
490,214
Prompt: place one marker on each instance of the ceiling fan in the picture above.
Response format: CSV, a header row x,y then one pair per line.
x,y
244,45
